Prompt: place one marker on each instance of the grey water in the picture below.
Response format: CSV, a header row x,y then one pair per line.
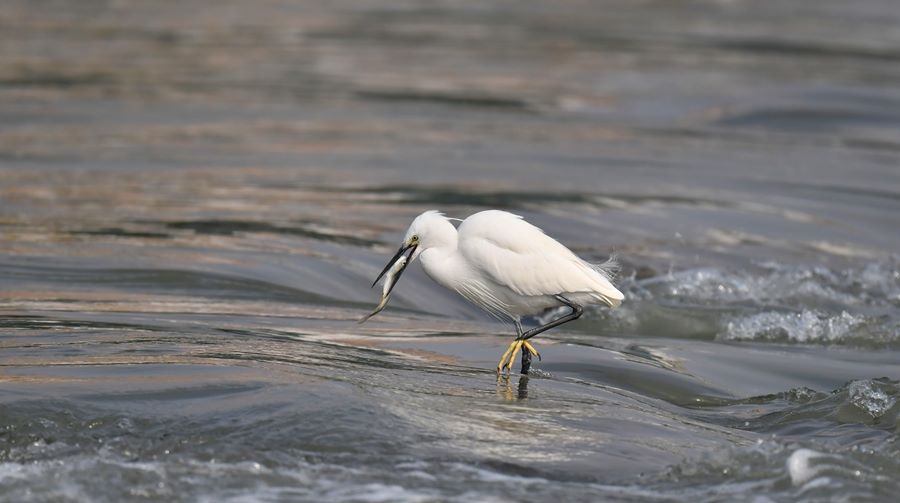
x,y
195,197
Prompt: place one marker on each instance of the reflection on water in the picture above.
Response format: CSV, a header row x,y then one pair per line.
x,y
510,390
195,196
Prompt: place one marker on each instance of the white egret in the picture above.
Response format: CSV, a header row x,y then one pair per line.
x,y
506,266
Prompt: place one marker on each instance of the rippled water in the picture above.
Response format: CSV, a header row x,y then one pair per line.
x,y
195,196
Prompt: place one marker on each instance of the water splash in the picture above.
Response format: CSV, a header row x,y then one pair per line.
x,y
873,284
768,303
786,471
803,327
871,399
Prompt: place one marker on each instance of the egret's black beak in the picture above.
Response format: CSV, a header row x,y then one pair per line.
x,y
403,249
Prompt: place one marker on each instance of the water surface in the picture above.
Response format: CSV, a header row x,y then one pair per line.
x,y
195,196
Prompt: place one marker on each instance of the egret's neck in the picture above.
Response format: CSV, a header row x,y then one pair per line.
x,y
444,265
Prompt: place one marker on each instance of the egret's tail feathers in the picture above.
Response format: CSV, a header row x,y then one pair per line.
x,y
610,301
606,291
608,269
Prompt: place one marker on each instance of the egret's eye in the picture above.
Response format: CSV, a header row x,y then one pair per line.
x,y
414,239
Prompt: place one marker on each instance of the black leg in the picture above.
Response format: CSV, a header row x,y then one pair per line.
x,y
519,330
526,355
576,313
526,361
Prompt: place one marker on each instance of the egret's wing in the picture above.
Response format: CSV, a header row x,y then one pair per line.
x,y
518,255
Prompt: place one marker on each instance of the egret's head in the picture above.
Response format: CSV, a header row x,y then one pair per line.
x,y
428,230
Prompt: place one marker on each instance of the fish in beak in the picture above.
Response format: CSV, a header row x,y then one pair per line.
x,y
394,269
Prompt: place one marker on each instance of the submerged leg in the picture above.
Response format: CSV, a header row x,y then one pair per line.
x,y
526,361
521,342
509,357
526,353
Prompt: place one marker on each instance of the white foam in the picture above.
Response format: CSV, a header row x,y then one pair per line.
x,y
799,467
12,471
875,284
805,326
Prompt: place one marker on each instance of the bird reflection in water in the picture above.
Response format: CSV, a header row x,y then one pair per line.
x,y
505,388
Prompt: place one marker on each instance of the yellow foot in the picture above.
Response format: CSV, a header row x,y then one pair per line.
x,y
509,357
531,349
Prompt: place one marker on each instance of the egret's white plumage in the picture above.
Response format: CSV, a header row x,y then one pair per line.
x,y
505,265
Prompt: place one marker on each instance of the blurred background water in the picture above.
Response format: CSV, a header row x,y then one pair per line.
x,y
196,195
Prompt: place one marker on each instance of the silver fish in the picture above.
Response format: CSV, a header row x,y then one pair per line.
x,y
390,280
